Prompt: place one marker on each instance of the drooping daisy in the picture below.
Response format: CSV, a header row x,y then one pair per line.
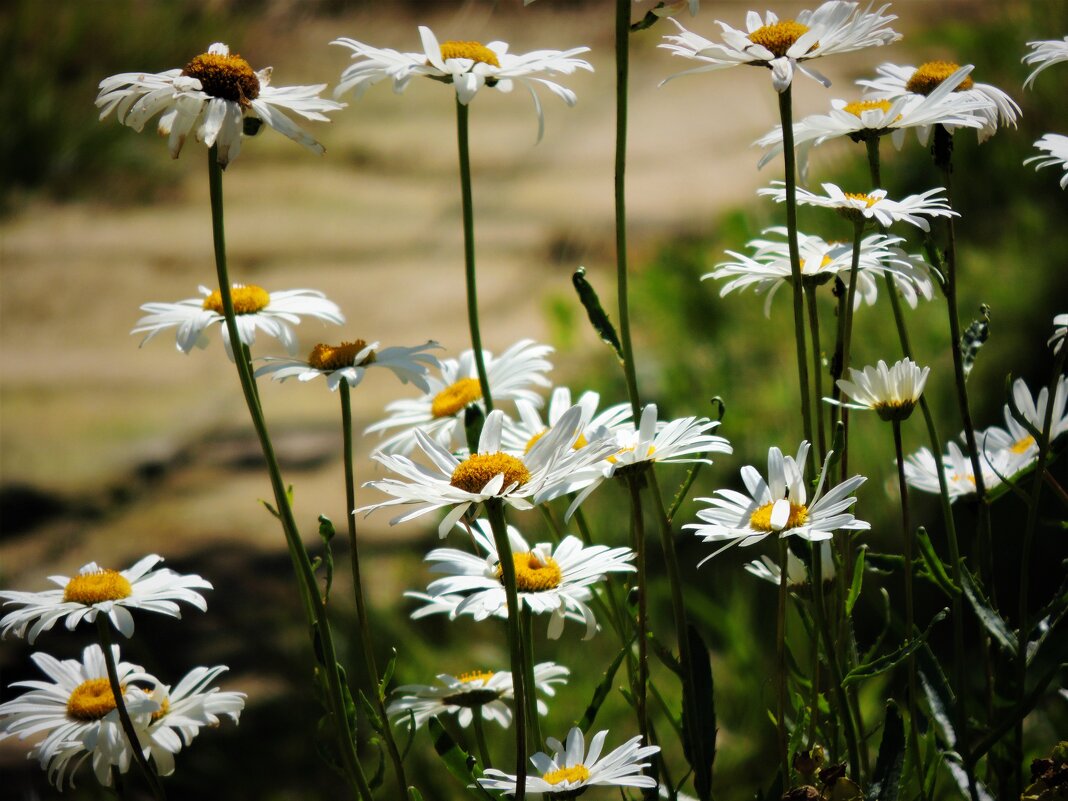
x,y
183,710
895,81
921,472
769,267
520,436
1060,332
783,45
1044,54
350,360
439,413
871,205
76,710
468,66
482,692
1056,148
664,9
218,97
778,506
570,769
554,581
796,569
255,308
1013,447
95,590
891,391
551,465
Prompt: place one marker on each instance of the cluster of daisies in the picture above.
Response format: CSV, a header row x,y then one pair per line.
x,y
73,713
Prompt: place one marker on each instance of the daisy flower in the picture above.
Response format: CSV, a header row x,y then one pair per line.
x,y
554,581
482,692
520,436
921,471
891,391
784,45
570,769
350,360
873,205
796,569
218,97
255,309
1045,54
1060,332
1014,445
468,66
183,710
1056,148
552,464
768,268
665,8
893,81
76,710
439,413
778,506
95,590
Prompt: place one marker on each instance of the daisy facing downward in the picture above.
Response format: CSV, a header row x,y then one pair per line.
x,y
350,360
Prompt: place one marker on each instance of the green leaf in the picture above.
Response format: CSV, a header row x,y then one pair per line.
x,y
380,769
857,582
878,641
414,794
991,620
936,568
699,715
664,654
457,761
940,697
598,319
892,659
602,690
886,779
387,674
411,735
973,338
326,533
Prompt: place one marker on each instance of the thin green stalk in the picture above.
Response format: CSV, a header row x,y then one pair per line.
x,y
637,524
847,332
469,252
817,366
104,633
495,511
357,590
780,660
533,720
480,740
312,599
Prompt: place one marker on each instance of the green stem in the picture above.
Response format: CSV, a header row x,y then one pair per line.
x,y
637,523
480,739
357,590
847,332
533,720
469,252
780,660
104,633
495,511
817,366
314,604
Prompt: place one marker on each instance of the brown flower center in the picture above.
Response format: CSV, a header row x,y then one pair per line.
x,y
91,700
475,472
247,299
94,588
532,574
927,77
779,36
761,518
455,397
229,77
476,51
335,357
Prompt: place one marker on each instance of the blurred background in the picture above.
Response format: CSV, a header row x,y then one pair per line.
x,y
110,452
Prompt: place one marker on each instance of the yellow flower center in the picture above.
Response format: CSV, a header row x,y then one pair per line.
x,y
575,773
229,77
476,51
825,261
164,708
94,588
581,442
958,477
475,472
928,76
455,397
779,36
532,574
868,200
335,357
91,700
857,107
476,675
476,696
247,299
761,518
1022,445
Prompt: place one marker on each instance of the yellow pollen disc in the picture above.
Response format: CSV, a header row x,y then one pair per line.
x,y
335,357
91,700
869,201
761,518
958,477
164,708
455,397
581,442
229,77
825,261
476,675
779,37
1022,445
247,299
476,51
94,588
532,574
475,472
859,106
928,76
576,773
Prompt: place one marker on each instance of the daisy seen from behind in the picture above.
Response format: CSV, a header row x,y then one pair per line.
x,y
785,45
569,769
218,98
94,590
349,361
892,392
797,573
1044,54
1055,146
469,66
994,107
486,693
921,471
551,467
1014,448
256,309
550,580
874,205
1060,332
520,435
778,505
439,412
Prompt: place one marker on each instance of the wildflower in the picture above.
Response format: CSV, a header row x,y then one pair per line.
x,y
1056,146
1013,448
871,205
1060,332
796,569
1045,54
350,360
921,472
520,436
891,391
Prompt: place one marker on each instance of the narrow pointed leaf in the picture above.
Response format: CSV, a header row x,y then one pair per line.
x,y
936,568
892,659
326,534
857,582
457,761
886,779
598,318
988,616
602,690
699,715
